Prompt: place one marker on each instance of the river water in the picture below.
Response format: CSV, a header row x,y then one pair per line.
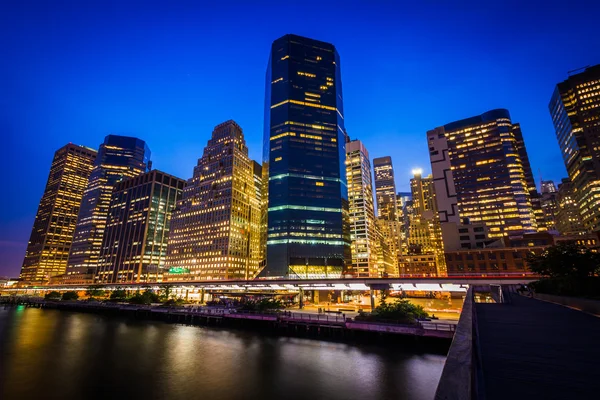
x,y
63,355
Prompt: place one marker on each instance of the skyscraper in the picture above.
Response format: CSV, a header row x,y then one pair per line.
x,y
425,234
388,217
304,160
134,246
385,188
567,216
215,233
480,176
119,157
575,110
362,212
52,233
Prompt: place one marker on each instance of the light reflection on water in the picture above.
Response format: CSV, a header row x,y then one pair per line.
x,y
53,354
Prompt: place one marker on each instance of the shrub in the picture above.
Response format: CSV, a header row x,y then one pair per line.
x,y
402,311
119,294
71,295
53,295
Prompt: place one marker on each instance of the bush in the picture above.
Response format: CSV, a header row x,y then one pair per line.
x,y
53,295
72,295
119,294
262,305
402,311
144,298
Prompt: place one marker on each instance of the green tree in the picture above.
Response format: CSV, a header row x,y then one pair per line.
x,y
95,291
118,294
53,295
401,310
70,295
147,297
165,291
565,260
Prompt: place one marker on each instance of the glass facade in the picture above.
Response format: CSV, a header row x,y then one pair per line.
x,y
134,246
480,175
575,111
304,161
119,157
52,233
215,229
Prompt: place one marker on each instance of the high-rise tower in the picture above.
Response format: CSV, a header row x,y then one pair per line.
x,y
134,246
575,110
119,157
303,157
385,188
362,212
480,175
52,233
215,228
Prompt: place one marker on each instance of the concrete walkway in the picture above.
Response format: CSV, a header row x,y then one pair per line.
x,y
532,349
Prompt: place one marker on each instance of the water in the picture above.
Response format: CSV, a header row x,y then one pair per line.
x,y
63,355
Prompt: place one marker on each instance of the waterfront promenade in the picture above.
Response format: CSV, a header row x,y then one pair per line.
x,y
531,349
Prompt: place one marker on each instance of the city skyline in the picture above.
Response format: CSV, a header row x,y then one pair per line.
x,y
18,214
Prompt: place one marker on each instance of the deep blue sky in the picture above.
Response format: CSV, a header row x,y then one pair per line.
x,y
169,72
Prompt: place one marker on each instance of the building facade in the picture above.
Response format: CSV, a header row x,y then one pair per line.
x,y
119,157
362,211
575,111
214,231
480,176
425,233
567,215
389,219
134,245
54,225
304,157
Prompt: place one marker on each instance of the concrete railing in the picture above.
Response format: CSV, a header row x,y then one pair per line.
x,y
457,380
587,305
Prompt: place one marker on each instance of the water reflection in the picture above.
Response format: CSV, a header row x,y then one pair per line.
x,y
53,354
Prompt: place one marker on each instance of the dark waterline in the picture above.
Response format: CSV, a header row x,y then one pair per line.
x,y
63,355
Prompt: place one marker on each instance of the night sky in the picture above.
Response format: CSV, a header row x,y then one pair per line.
x,y
169,72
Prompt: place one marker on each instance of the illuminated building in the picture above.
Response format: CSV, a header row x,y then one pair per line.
x,y
549,204
259,219
52,233
362,211
548,187
480,176
215,228
567,217
385,188
424,234
575,110
304,160
388,217
134,245
119,157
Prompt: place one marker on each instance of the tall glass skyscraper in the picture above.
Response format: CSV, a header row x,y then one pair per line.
x,y
119,157
575,110
303,157
52,233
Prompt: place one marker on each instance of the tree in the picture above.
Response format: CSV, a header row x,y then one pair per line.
x,y
399,311
118,294
53,295
95,291
165,292
565,260
147,297
71,295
